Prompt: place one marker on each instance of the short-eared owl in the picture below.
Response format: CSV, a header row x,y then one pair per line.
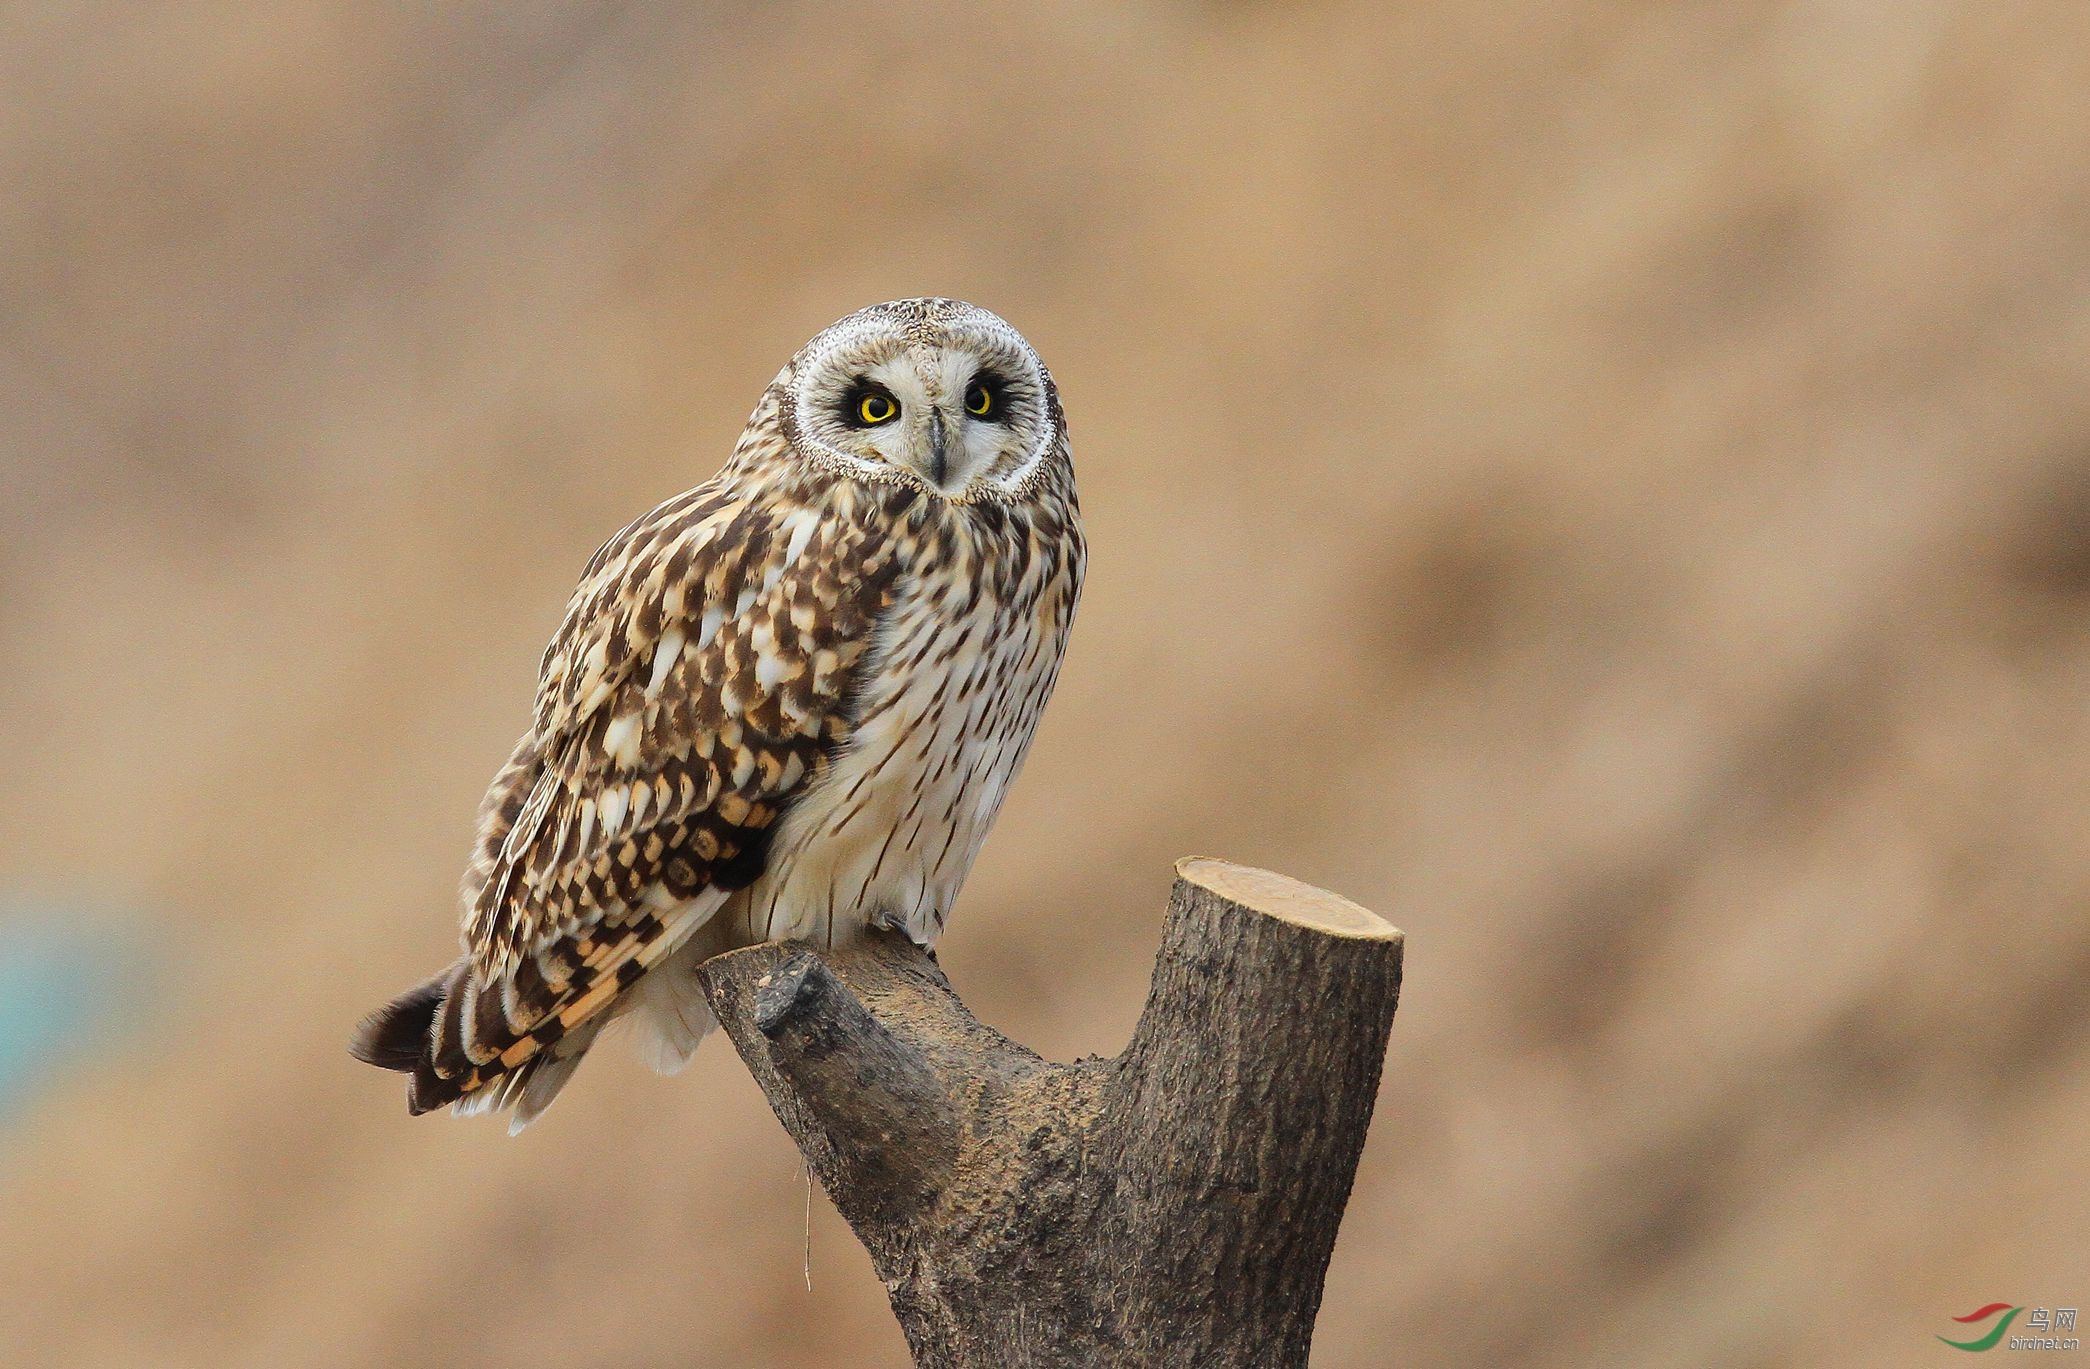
x,y
784,704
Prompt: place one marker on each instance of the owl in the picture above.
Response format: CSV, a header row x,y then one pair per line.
x,y
785,704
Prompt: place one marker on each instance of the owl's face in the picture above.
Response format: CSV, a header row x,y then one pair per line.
x,y
931,391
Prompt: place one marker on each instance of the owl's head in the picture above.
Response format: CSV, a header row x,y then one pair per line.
x,y
932,391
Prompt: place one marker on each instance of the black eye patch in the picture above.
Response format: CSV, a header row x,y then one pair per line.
x,y
987,398
869,405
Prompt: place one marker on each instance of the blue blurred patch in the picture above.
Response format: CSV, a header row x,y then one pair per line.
x,y
65,987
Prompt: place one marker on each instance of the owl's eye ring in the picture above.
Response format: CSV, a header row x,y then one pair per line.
x,y
869,408
981,399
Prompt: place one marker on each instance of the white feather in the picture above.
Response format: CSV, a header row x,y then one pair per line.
x,y
669,1017
708,625
621,739
802,524
613,802
665,656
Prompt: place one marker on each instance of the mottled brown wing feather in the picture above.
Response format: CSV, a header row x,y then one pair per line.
x,y
699,681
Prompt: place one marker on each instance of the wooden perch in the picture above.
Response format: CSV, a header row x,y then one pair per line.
x,y
1174,1206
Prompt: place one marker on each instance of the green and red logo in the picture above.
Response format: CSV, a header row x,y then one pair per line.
x,y
1995,1333
2044,1328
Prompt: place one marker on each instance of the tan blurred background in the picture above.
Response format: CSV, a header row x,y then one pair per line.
x,y
1607,485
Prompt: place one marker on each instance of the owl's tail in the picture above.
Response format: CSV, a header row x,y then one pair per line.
x,y
400,1035
406,1034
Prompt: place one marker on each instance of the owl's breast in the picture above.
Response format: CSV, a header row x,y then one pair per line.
x,y
945,708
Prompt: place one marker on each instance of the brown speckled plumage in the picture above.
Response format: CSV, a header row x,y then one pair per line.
x,y
784,703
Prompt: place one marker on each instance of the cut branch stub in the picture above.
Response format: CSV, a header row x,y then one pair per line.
x,y
1175,1206
857,1080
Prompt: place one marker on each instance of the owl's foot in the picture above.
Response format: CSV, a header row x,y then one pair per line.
x,y
920,930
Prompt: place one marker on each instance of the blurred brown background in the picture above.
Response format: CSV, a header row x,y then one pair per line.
x,y
1607,485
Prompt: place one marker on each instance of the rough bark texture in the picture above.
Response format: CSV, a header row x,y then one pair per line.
x,y
1174,1206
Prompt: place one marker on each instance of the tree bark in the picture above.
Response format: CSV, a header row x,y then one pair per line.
x,y
1174,1206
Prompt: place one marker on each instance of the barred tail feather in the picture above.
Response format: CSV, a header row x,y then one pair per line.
x,y
481,1047
530,1087
431,1019
542,1079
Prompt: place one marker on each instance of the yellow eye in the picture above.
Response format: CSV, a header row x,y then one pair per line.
x,y
979,400
876,408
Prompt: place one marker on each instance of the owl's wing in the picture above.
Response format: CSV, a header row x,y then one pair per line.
x,y
699,681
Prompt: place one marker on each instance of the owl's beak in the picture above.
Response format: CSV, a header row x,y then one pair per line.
x,y
938,467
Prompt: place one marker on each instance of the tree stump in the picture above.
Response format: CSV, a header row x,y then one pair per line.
x,y
1174,1206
